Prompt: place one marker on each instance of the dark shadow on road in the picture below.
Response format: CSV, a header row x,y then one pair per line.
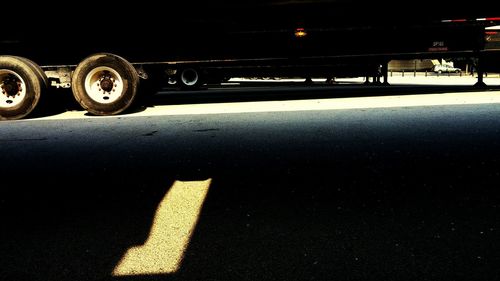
x,y
365,199
74,225
380,217
401,214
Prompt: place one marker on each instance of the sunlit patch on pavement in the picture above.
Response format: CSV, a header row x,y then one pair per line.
x,y
171,231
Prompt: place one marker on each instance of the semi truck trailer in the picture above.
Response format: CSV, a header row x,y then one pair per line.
x,y
110,55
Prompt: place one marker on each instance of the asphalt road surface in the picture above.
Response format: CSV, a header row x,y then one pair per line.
x,y
404,187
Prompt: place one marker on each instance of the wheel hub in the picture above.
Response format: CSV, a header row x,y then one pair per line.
x,y
104,85
107,83
11,87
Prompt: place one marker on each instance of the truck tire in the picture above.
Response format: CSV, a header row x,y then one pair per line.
x,y
105,84
38,70
189,78
22,83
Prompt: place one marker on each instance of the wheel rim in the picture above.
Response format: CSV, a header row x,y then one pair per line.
x,y
189,77
13,88
104,84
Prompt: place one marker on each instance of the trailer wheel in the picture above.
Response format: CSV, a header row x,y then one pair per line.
x,y
105,84
39,71
22,83
189,78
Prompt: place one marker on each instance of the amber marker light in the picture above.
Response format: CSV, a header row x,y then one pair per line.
x,y
300,32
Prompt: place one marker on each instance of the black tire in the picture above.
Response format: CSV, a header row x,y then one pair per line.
x,y
50,102
38,70
100,103
34,81
189,78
